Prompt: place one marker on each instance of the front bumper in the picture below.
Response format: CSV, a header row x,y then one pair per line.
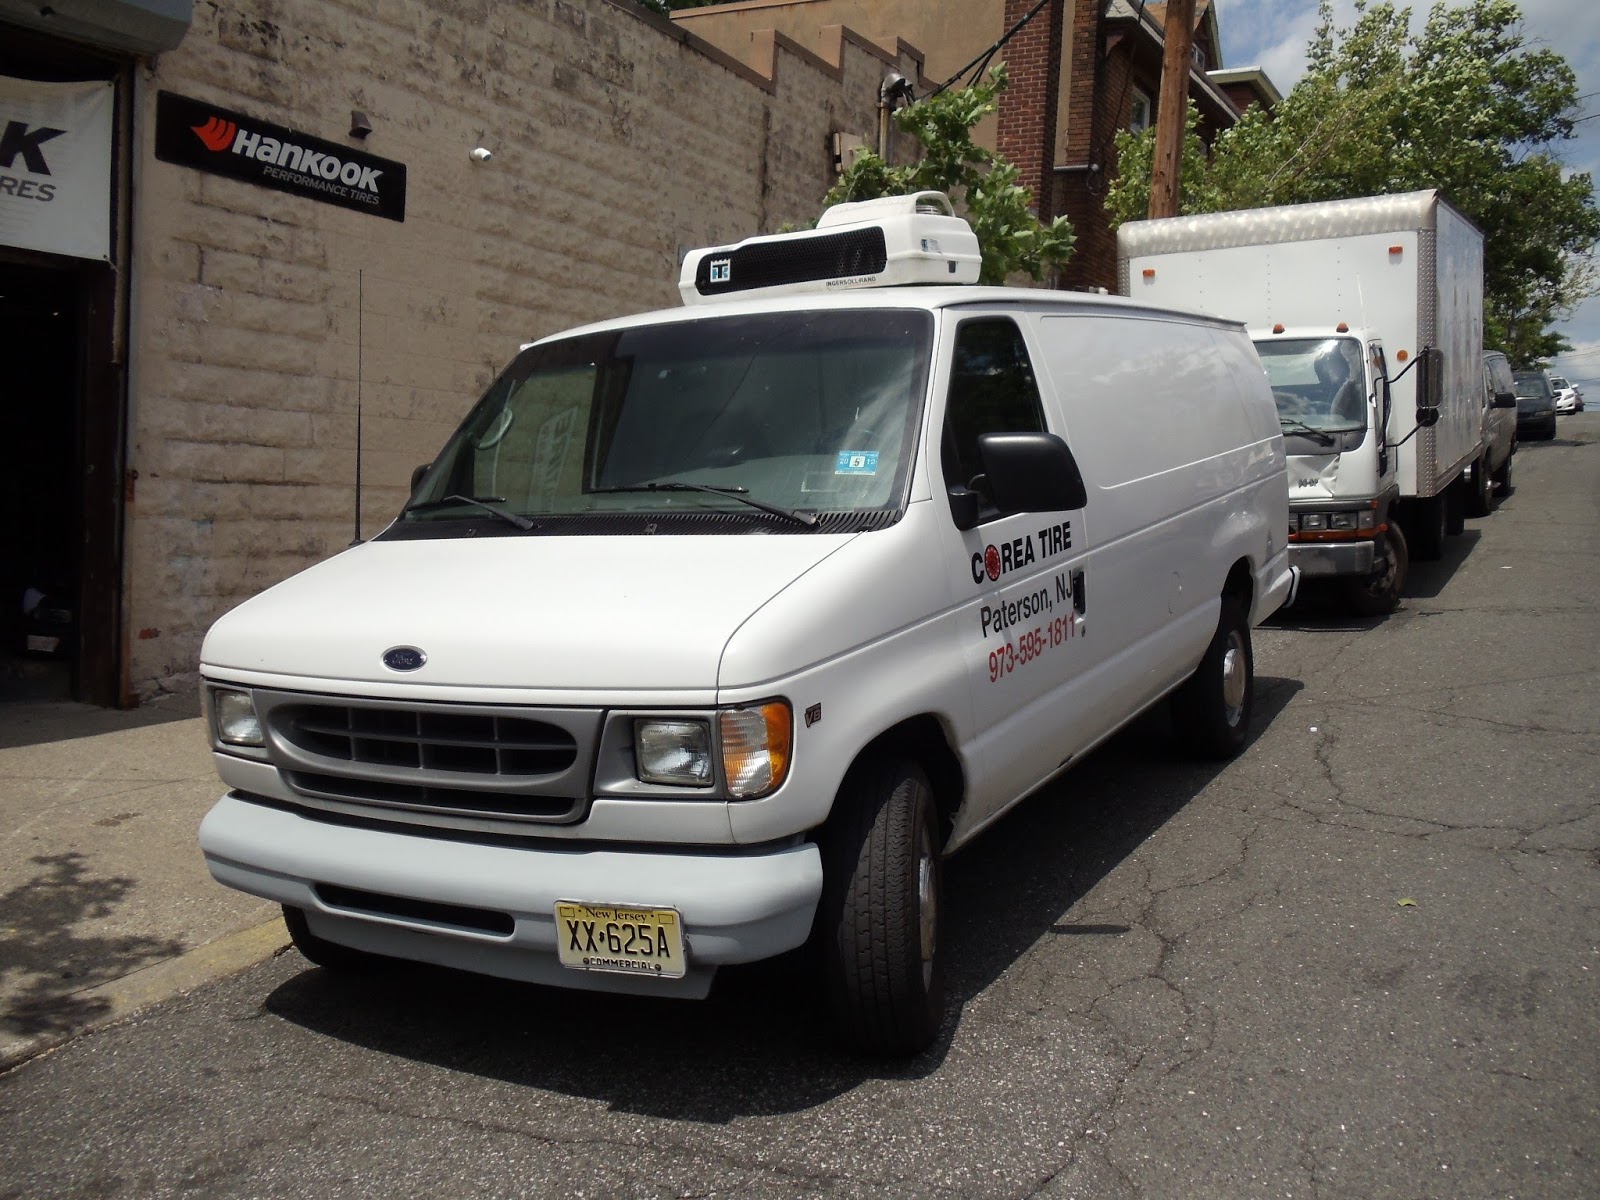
x,y
735,907
1318,560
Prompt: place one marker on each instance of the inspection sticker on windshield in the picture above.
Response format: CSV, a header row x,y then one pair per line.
x,y
857,462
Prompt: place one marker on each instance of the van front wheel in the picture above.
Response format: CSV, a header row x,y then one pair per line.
x,y
1212,710
879,922
330,955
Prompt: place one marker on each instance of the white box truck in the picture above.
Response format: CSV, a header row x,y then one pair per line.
x,y
1368,316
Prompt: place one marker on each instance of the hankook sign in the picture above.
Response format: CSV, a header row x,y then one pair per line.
x,y
193,133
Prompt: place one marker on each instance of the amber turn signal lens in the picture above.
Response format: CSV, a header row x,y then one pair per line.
x,y
756,745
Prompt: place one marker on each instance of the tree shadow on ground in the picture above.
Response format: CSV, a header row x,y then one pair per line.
x,y
47,962
760,1044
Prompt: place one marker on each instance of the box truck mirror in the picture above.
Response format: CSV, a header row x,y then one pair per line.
x,y
1031,472
1430,386
417,473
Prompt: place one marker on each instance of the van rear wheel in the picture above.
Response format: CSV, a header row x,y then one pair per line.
x,y
1212,710
879,921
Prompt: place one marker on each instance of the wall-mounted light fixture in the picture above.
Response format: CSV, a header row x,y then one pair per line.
x,y
360,123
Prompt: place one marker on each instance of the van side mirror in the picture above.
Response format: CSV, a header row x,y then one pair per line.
x,y
965,507
1430,386
417,473
1505,400
1031,472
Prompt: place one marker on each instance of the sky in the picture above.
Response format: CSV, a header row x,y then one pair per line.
x,y
1273,34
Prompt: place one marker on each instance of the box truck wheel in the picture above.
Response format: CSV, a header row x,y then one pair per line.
x,y
1212,709
1378,594
1479,489
1426,529
879,921
328,954
1455,504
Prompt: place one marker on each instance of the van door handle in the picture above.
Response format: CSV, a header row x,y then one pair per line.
x,y
1080,603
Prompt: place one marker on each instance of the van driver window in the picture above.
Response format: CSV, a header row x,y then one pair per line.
x,y
992,390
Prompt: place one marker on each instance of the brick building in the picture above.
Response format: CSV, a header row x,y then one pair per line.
x,y
1080,71
273,211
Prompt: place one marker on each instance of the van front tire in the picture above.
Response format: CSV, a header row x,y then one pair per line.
x,y
879,922
1212,710
330,955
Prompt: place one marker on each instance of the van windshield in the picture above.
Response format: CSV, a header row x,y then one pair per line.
x,y
1317,382
763,417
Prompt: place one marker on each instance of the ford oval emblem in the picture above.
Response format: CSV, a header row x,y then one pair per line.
x,y
403,658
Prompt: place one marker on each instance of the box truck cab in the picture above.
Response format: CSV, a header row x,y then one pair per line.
x,y
1368,317
710,631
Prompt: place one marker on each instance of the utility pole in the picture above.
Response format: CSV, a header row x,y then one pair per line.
x,y
1171,109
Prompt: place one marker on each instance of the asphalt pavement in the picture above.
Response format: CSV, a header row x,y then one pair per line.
x,y
1361,960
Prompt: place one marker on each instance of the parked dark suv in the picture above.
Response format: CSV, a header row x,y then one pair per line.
x,y
1536,405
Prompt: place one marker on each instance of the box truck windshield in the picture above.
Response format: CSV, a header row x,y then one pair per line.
x,y
1318,383
793,413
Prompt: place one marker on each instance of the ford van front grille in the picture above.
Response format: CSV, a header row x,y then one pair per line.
x,y
461,766
475,743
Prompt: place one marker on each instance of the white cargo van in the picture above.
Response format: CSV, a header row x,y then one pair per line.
x,y
1368,315
711,630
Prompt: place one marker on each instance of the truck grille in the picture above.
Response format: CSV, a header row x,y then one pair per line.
x,y
475,743
461,766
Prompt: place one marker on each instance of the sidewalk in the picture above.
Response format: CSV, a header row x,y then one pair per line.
x,y
105,902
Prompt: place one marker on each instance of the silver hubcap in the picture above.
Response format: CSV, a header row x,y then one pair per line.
x,y
1233,679
927,908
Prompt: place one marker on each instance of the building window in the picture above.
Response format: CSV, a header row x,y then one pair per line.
x,y
1139,112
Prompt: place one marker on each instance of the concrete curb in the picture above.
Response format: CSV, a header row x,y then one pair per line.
x,y
151,985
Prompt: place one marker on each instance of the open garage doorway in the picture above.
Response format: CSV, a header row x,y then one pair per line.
x,y
58,576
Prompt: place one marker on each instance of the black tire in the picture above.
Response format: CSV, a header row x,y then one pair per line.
x,y
1455,508
330,955
1212,709
1426,531
1550,431
1379,593
880,916
1479,489
1502,477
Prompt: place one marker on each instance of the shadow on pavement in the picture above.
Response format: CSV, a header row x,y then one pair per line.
x,y
46,962
760,1044
33,723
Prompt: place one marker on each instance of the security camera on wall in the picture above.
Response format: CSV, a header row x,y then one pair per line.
x,y
481,154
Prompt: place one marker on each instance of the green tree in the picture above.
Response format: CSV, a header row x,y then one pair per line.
x,y
1465,106
983,186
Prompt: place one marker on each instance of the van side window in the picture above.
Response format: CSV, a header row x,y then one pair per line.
x,y
992,390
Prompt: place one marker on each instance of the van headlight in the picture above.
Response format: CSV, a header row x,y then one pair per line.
x,y
674,751
746,749
233,718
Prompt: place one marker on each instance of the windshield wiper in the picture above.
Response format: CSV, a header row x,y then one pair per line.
x,y
484,502
741,494
1317,435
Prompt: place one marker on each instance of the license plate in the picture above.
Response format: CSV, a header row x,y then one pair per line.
x,y
629,941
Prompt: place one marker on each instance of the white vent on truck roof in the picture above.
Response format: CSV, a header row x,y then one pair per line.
x,y
887,242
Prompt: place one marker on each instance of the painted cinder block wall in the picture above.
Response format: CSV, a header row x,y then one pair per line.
x,y
618,140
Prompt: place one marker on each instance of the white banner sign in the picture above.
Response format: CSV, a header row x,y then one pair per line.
x,y
55,166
